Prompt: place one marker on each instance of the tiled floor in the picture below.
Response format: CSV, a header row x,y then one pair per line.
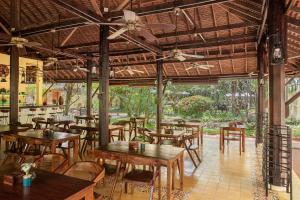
x,y
227,176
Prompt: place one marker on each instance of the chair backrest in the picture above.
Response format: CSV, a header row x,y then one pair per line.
x,y
121,123
142,161
51,162
168,131
86,170
74,130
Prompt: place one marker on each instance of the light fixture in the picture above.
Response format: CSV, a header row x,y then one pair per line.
x,y
94,69
277,53
23,77
111,73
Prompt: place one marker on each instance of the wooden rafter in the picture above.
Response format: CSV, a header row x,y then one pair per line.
x,y
68,37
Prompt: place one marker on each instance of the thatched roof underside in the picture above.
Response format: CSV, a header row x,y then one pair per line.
x,y
227,35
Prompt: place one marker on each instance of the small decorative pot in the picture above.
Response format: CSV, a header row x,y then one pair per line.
x,y
27,180
143,145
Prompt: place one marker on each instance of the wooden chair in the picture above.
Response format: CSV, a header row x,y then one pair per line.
x,y
33,149
51,162
143,133
191,147
67,146
4,116
231,134
31,114
123,123
142,176
35,121
12,150
87,170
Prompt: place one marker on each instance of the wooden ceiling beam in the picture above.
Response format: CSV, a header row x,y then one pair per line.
x,y
68,37
241,13
234,40
168,7
166,35
214,58
90,16
72,23
293,21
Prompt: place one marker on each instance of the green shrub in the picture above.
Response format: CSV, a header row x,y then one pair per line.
x,y
194,106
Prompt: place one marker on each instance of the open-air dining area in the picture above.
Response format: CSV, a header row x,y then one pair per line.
x,y
150,99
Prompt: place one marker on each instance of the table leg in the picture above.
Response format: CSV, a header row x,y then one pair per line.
x,y
169,180
181,171
53,147
243,142
173,175
220,142
89,194
76,149
109,136
123,134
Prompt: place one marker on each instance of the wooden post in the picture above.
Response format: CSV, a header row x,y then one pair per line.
x,y
159,109
104,85
89,83
260,92
276,24
15,11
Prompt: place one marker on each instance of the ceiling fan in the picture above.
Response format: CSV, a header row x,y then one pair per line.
x,y
201,66
77,67
176,53
129,70
132,22
20,42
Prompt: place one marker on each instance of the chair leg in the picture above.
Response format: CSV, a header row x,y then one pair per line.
x,y
159,183
198,157
192,158
151,192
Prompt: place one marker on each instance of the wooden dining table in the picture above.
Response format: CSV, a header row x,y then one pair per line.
x,y
187,125
46,186
53,139
94,127
176,136
66,123
9,129
164,155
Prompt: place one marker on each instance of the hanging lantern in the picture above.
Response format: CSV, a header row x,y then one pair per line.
x,y
94,69
111,73
277,54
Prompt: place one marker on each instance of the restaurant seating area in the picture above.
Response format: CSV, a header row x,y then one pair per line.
x,y
62,137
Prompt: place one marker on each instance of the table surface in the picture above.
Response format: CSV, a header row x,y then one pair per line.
x,y
56,136
182,124
176,133
94,126
46,186
6,129
153,151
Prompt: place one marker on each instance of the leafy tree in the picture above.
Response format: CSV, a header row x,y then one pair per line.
x,y
194,106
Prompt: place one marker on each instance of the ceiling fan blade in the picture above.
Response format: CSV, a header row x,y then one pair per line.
x,y
147,35
130,72
163,26
6,45
117,33
190,68
163,58
192,55
180,58
130,16
30,44
119,71
113,23
48,64
204,66
83,69
138,71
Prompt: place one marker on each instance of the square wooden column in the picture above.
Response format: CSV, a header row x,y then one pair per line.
x,y
15,10
276,26
89,83
104,85
159,109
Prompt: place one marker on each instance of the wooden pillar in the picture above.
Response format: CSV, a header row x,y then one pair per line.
x,y
15,11
104,85
89,83
260,93
159,109
39,84
276,24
